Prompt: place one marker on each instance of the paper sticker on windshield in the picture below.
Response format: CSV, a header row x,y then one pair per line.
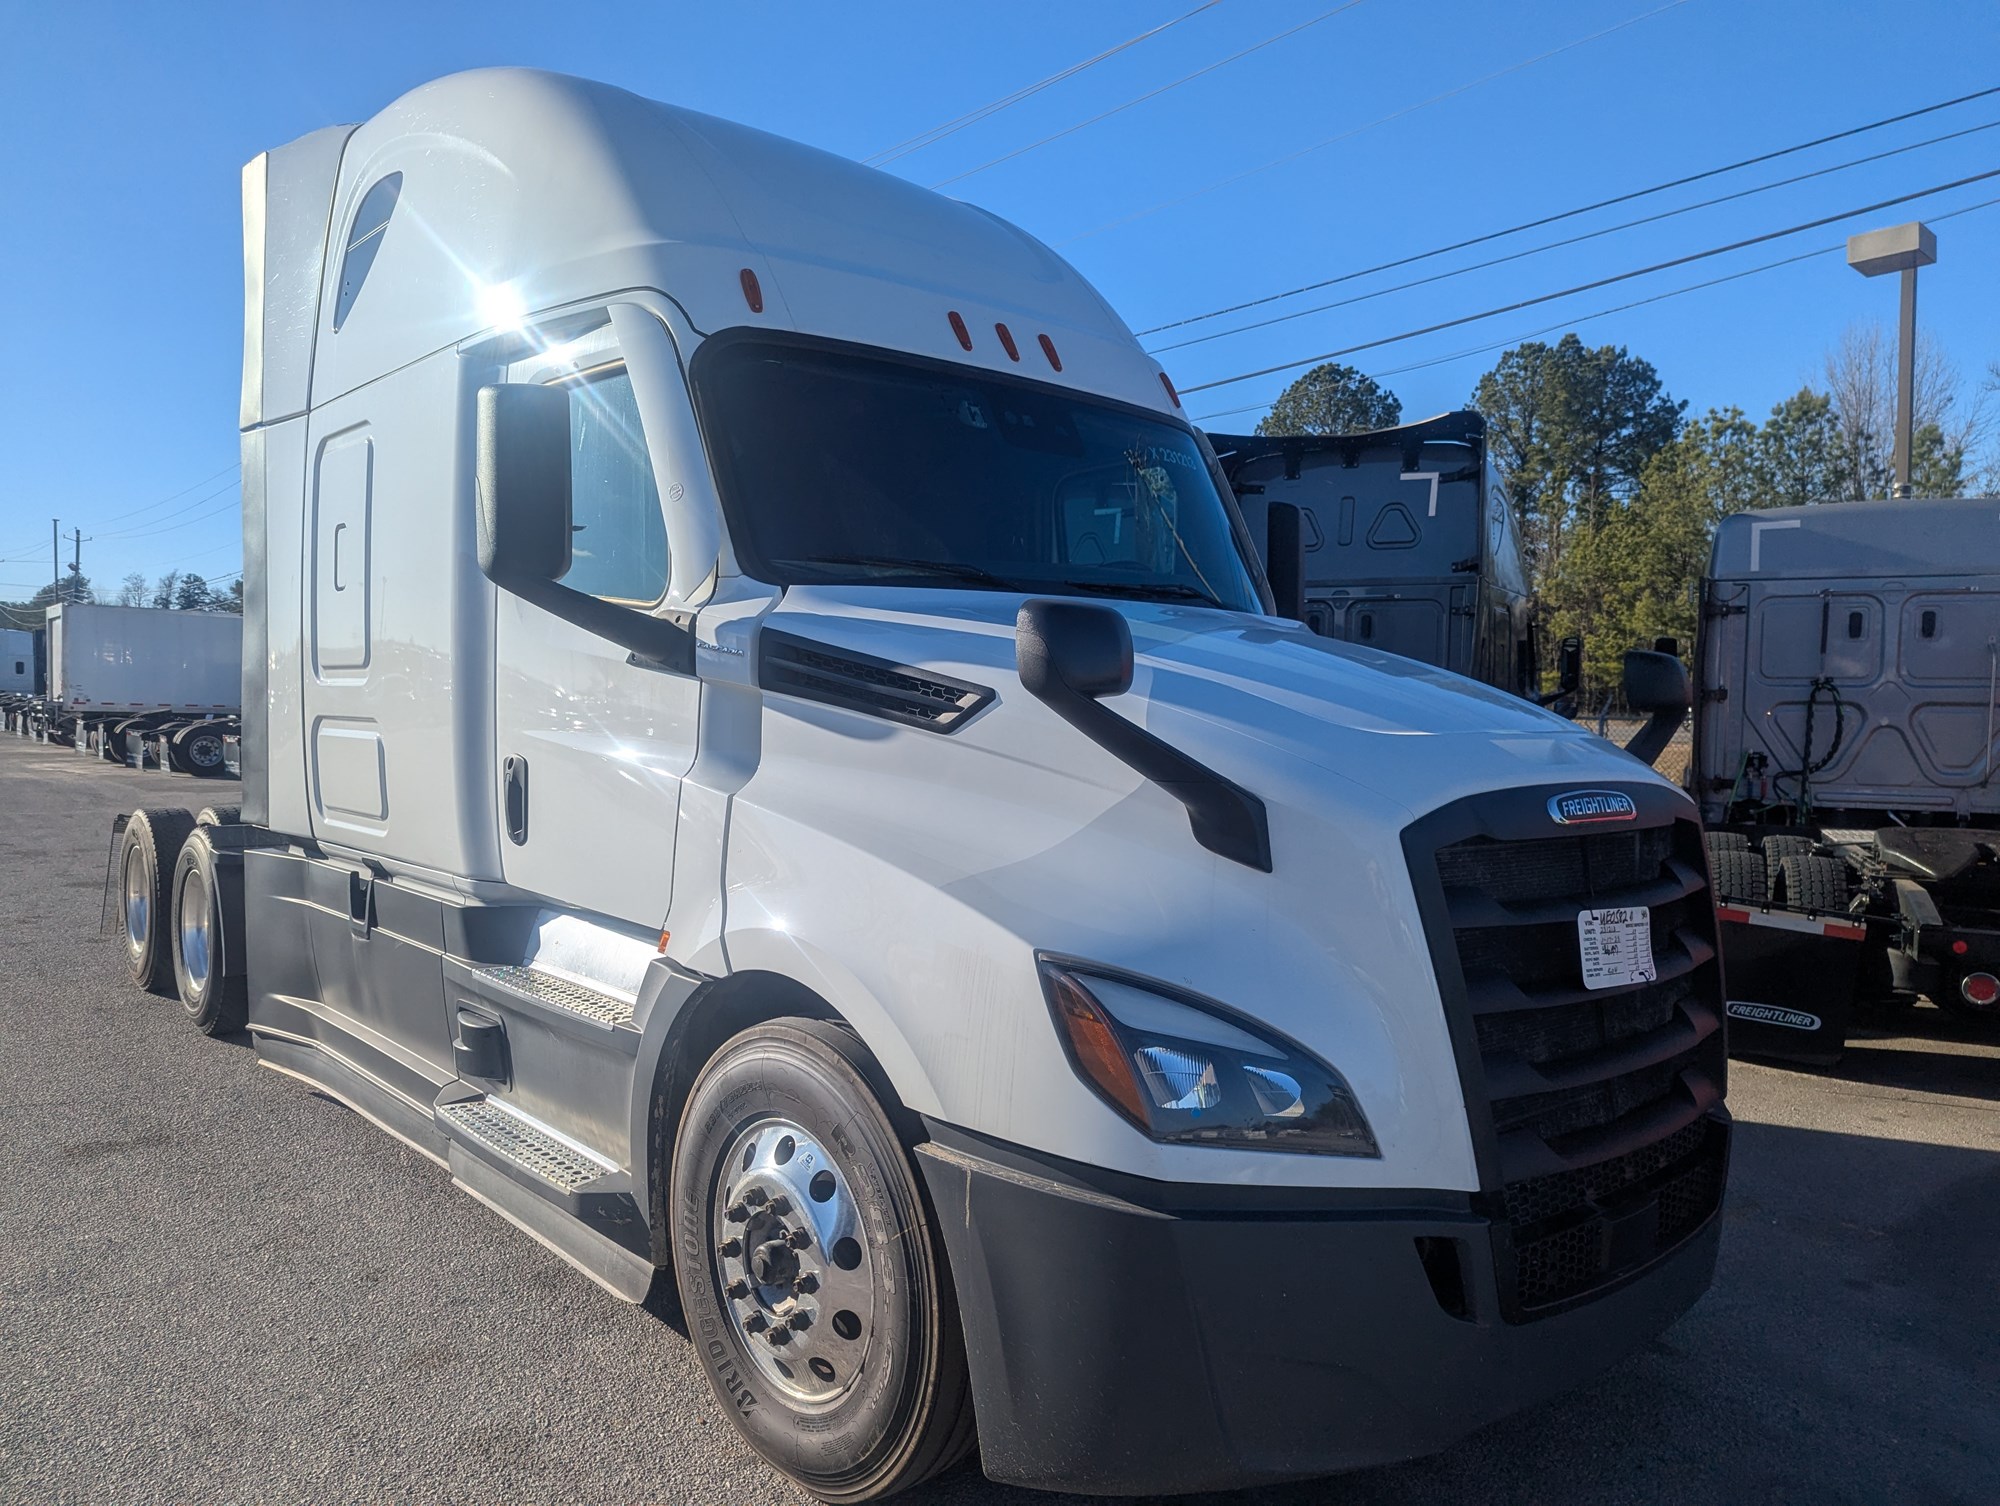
x,y
1617,946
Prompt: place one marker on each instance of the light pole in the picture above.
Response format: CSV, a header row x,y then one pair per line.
x,y
1903,249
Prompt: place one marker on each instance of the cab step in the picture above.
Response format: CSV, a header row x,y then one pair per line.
x,y
556,992
514,1137
574,1201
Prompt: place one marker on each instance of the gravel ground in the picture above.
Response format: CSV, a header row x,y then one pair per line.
x,y
217,1285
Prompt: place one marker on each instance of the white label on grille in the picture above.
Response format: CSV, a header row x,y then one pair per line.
x,y
1617,946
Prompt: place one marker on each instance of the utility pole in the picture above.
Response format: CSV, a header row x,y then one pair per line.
x,y
76,558
55,555
1901,249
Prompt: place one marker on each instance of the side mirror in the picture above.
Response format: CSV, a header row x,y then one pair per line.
x,y
1658,684
1285,559
1073,646
1569,665
521,469
1069,655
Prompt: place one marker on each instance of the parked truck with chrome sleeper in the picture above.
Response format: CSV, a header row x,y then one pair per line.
x,y
769,752
1848,675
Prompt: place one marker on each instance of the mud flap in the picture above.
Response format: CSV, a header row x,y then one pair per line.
x,y
1791,982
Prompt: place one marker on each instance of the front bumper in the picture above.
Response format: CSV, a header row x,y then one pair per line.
x,y
1139,1338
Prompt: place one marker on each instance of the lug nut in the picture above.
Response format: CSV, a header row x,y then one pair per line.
x,y
738,1290
731,1248
806,1284
779,1336
801,1320
798,1239
737,1213
756,1323
781,1205
756,1197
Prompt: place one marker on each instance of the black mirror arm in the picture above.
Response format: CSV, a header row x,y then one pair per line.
x,y
1071,653
656,640
1225,818
1651,740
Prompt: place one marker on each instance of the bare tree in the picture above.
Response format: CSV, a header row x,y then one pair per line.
x,y
132,592
1860,374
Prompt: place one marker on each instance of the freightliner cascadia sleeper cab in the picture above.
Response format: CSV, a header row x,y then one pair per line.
x,y
768,750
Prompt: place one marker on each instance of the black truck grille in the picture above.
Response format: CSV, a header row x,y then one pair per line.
x,y
1596,1112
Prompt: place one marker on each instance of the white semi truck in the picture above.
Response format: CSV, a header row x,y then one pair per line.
x,y
769,751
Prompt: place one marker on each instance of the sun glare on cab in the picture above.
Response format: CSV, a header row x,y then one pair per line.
x,y
501,306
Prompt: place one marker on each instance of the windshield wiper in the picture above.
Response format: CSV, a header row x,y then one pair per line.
x,y
909,563
1172,589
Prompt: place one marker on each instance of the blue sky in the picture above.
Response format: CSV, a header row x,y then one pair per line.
x,y
125,128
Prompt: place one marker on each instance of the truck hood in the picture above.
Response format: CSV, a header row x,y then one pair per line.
x,y
1233,689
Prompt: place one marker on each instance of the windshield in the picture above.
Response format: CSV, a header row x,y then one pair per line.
x,y
863,469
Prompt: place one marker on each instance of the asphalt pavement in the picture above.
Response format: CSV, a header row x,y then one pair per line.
x,y
217,1285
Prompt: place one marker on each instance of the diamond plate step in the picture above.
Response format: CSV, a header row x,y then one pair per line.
x,y
560,993
516,1139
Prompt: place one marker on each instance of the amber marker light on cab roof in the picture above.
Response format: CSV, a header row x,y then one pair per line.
x,y
958,328
1007,342
753,292
1049,350
1168,383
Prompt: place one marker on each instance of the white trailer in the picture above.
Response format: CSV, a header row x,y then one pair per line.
x,y
118,675
770,752
17,663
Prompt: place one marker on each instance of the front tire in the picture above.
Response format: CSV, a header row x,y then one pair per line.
x,y
216,1004
146,861
812,1279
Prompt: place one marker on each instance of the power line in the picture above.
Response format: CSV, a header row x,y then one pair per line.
x,y
1573,321
936,134
1567,214
1071,130
1422,104
1584,287
147,529
34,550
1588,235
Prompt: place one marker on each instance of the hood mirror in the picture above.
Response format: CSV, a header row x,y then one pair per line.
x,y
1285,559
1657,683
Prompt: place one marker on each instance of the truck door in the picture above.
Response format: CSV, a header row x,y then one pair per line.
x,y
589,746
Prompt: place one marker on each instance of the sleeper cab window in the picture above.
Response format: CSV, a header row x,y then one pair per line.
x,y
618,536
364,239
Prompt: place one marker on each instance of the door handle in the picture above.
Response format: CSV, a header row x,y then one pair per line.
x,y
514,784
338,530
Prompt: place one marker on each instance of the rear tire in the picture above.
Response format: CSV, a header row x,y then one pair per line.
x,y
866,1393
1777,849
216,1004
1726,841
146,861
1815,884
1739,875
219,815
197,750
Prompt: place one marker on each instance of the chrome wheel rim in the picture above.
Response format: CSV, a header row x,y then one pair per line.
x,y
138,899
793,1262
204,752
194,933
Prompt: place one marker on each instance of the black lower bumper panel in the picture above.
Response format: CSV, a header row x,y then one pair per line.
x,y
1129,1337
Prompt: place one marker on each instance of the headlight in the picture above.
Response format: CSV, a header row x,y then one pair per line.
x,y
1187,1071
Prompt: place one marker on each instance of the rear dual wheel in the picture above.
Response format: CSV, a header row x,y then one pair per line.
x,y
811,1275
152,846
216,1003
